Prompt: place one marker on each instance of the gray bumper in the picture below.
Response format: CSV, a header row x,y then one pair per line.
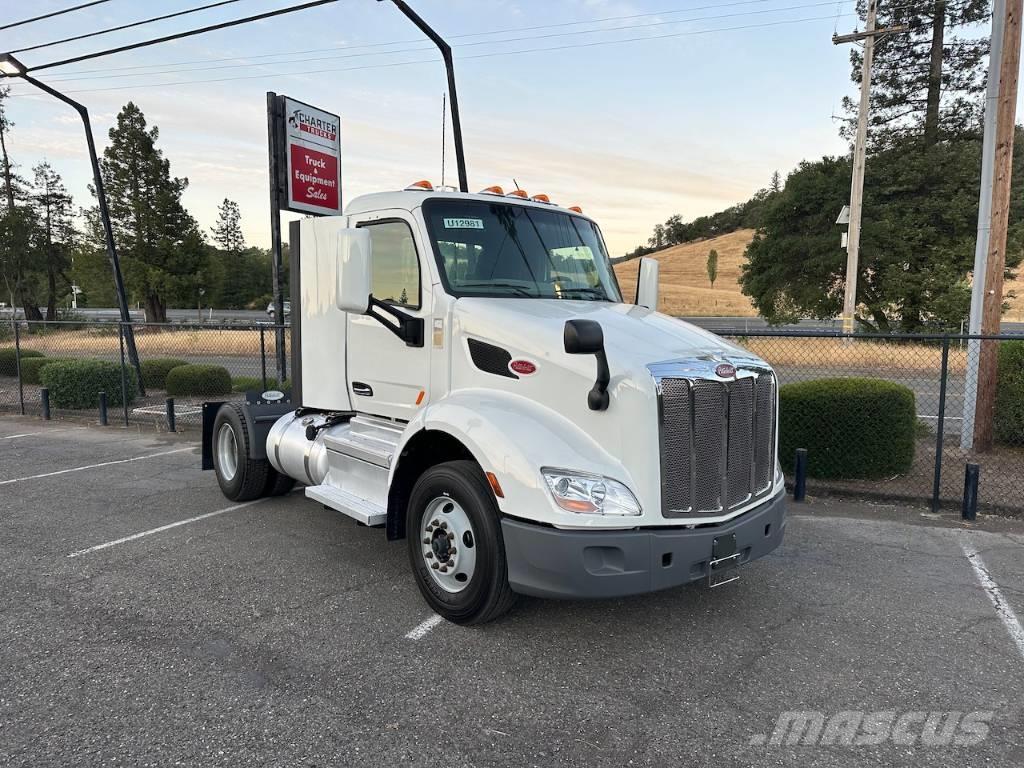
x,y
548,562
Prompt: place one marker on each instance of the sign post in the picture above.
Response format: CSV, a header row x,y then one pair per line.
x,y
305,177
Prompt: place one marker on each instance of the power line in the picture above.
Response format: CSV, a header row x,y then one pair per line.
x,y
404,42
108,30
52,14
473,56
179,35
466,45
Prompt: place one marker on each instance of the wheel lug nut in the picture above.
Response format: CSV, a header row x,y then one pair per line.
x,y
443,524
444,569
452,550
435,566
429,555
451,536
426,540
450,564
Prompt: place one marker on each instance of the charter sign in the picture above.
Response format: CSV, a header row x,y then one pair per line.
x,y
313,152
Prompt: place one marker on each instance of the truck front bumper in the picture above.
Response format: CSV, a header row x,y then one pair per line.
x,y
548,562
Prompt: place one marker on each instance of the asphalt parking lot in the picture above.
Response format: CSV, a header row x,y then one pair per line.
x,y
146,621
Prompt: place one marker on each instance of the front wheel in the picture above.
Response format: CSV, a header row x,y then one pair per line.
x,y
455,545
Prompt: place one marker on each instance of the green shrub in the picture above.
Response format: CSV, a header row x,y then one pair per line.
x,y
1009,416
31,368
154,372
77,383
8,363
246,383
198,380
851,428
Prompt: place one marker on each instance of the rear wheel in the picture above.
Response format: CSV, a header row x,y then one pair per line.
x,y
455,545
241,478
277,484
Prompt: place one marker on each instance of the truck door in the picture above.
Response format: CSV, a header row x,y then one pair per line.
x,y
385,376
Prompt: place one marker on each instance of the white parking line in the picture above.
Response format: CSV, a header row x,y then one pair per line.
x,y
150,532
1003,609
41,432
417,633
95,466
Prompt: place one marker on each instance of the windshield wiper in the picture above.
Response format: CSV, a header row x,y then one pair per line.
x,y
586,291
520,290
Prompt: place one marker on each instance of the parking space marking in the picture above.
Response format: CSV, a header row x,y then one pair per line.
x,y
96,466
420,631
41,432
1003,609
151,531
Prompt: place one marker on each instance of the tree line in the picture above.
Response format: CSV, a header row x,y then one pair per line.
x,y
47,245
920,197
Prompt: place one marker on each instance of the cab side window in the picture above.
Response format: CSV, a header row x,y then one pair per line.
x,y
396,269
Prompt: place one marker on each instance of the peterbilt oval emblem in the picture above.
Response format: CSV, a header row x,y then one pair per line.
x,y
522,367
725,371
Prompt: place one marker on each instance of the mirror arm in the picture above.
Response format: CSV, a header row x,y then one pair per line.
x,y
597,398
409,329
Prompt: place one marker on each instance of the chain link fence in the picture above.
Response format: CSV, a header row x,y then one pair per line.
x,y
861,441
925,465
189,363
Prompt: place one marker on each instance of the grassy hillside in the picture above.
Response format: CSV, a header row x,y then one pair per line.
x,y
685,289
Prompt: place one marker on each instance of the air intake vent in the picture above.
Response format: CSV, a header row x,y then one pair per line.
x,y
491,359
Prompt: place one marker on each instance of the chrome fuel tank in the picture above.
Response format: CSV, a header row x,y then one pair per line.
x,y
292,454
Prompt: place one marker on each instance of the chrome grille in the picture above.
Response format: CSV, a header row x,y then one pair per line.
x,y
717,439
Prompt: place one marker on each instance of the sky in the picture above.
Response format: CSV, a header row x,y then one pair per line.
x,y
646,109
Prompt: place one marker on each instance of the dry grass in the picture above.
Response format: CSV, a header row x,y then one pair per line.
x,y
869,356
151,343
685,289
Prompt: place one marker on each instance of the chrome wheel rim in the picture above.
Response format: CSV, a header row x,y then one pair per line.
x,y
448,544
227,452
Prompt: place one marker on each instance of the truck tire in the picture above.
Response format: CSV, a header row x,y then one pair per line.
x,y
456,549
277,484
241,478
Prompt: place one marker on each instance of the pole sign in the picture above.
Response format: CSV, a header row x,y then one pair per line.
x,y
312,159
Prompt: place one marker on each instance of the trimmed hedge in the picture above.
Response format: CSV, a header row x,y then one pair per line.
x,y
192,380
852,428
31,368
246,383
77,383
8,362
154,372
1008,424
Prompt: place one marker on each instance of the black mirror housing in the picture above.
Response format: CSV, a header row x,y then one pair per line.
x,y
583,337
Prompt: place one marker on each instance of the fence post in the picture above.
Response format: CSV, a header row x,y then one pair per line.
x,y
171,425
124,374
263,356
17,359
940,427
800,475
44,399
969,509
103,409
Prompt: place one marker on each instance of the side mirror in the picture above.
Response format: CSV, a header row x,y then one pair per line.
x,y
647,284
585,337
355,271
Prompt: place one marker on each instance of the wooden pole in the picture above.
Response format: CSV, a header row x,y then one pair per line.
x,y
992,307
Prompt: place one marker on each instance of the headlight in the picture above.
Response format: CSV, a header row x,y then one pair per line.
x,y
589,494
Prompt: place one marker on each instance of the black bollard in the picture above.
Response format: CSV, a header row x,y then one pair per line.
x,y
171,426
969,510
44,396
103,409
800,477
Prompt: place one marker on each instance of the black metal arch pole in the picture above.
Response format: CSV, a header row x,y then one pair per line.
x,y
446,54
108,231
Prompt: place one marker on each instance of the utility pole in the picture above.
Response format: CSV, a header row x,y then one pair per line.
x,y
993,213
869,35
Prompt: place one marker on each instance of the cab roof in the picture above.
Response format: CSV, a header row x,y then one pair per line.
x,y
410,200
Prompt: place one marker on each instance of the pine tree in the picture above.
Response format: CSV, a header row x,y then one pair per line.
x,y
926,81
55,234
712,266
160,244
775,185
227,232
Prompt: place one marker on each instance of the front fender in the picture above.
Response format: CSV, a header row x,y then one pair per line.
x,y
514,437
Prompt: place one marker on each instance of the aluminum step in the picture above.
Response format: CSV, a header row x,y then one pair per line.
x,y
364,511
368,439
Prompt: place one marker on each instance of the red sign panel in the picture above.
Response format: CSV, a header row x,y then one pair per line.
x,y
314,178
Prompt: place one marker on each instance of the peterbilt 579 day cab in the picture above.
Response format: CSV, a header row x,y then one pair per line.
x,y
467,375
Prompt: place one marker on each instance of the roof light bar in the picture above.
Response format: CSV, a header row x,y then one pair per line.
x,y
495,190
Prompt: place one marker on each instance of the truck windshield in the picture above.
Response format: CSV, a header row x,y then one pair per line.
x,y
509,250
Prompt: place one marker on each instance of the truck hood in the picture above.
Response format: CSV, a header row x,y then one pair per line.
x,y
633,336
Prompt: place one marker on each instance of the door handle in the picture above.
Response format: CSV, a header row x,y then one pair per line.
x,y
363,390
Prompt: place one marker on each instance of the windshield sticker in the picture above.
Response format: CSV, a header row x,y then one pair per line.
x,y
463,223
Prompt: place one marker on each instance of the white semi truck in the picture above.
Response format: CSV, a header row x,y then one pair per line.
x,y
468,376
